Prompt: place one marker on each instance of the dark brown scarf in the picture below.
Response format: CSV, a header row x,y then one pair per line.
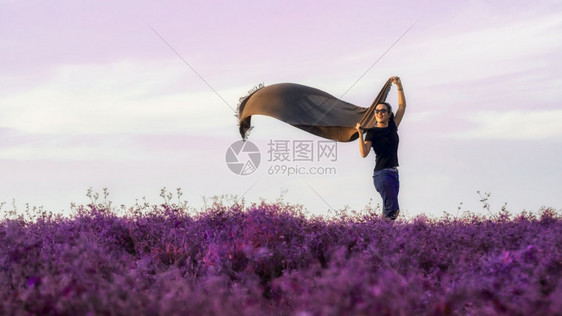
x,y
309,109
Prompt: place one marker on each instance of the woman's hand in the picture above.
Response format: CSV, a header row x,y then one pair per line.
x,y
359,128
396,81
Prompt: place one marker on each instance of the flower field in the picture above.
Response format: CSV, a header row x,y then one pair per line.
x,y
272,259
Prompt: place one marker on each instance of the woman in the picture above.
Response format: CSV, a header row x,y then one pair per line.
x,y
383,138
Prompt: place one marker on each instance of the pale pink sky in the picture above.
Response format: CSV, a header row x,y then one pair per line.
x,y
90,96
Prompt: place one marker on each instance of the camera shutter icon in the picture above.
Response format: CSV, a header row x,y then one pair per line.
x,y
243,157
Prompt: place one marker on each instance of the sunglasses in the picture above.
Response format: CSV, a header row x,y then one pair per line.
x,y
383,111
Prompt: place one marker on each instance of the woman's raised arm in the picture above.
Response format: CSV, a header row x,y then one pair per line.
x,y
364,146
401,101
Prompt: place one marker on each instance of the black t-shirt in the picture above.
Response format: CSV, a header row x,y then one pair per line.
x,y
384,141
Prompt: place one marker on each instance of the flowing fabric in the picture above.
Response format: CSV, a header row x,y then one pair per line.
x,y
309,109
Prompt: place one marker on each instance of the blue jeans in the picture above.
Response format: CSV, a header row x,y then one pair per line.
x,y
387,184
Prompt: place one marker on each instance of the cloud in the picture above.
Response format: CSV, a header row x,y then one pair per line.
x,y
468,50
110,147
121,97
514,125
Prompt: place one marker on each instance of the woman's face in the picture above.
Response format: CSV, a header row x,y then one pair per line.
x,y
381,113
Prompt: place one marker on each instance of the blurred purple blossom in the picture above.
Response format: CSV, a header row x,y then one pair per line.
x,y
272,259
